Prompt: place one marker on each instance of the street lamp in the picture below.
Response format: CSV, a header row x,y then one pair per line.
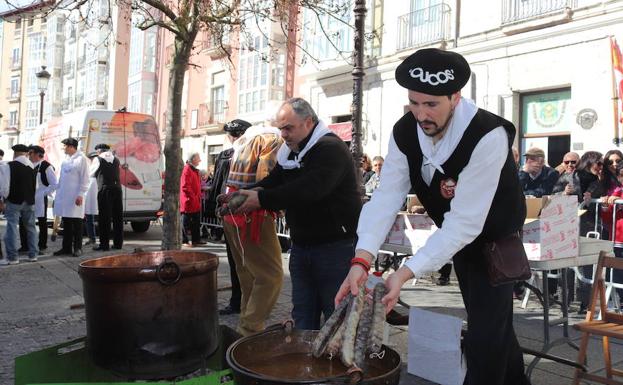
x,y
43,77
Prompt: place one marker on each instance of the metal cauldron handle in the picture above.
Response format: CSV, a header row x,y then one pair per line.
x,y
168,266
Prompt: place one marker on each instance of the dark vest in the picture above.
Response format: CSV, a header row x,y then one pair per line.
x,y
23,184
107,174
41,168
508,209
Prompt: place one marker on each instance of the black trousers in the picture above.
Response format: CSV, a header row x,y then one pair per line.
x,y
491,347
236,294
191,224
42,222
72,234
110,209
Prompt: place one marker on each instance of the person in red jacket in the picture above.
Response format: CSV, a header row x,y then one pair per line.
x,y
190,200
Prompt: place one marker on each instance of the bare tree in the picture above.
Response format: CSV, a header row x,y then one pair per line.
x,y
185,20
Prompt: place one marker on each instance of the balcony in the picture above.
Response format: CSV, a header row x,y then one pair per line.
x,y
12,94
16,64
217,113
10,126
424,26
521,10
216,47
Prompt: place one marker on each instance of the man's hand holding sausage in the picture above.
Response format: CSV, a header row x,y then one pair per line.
x,y
357,275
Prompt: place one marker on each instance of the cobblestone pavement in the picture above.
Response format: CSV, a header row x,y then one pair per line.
x,y
40,306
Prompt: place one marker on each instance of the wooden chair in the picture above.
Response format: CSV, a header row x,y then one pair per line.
x,y
609,326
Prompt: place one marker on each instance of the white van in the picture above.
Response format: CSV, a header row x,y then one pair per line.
x,y
135,140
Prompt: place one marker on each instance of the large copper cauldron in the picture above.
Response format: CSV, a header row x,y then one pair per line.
x,y
151,315
280,356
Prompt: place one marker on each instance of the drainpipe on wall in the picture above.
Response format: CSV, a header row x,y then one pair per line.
x,y
457,23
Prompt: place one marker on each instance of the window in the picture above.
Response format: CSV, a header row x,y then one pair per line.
x,y
326,36
253,75
213,151
15,57
218,104
18,24
134,97
31,22
150,52
193,119
13,118
136,45
14,87
32,113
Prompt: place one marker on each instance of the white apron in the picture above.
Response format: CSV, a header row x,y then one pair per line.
x,y
73,182
90,207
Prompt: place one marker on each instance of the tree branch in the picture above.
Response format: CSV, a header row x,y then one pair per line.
x,y
159,5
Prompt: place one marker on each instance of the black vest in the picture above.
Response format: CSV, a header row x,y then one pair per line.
x,y
508,209
23,184
41,168
107,174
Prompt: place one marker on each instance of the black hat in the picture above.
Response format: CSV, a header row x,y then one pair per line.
x,y
102,146
37,149
92,154
433,71
237,127
20,148
70,142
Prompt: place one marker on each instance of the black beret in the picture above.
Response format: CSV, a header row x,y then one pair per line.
x,y
92,154
20,148
102,146
37,149
433,71
70,142
237,126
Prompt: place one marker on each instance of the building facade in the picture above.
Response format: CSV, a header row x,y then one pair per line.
x,y
545,65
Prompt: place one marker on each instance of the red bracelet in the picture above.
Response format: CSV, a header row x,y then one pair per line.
x,y
365,269
361,261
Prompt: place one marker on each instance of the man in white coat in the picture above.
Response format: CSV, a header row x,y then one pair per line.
x,y
46,185
69,204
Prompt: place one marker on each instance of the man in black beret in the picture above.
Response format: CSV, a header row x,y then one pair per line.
x,y
46,185
73,185
234,130
458,160
105,168
17,187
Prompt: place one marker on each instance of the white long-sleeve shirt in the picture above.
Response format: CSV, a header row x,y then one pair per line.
x,y
43,190
5,174
475,189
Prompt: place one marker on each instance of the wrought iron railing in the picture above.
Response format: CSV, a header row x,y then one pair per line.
x,y
12,93
424,26
217,113
518,10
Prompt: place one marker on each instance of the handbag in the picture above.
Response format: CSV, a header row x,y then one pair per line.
x,y
507,260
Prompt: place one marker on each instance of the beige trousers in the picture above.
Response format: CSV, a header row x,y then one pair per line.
x,y
260,272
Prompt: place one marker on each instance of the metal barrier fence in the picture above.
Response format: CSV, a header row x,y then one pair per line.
x,y
208,222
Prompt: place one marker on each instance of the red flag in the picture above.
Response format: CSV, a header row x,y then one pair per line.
x,y
617,69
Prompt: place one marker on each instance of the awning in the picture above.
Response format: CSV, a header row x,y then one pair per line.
x,y
343,130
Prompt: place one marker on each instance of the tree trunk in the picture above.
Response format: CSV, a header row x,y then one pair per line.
x,y
172,150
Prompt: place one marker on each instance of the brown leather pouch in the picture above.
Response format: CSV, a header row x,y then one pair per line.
x,y
506,260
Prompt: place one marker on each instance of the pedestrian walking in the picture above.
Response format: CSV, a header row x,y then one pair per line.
x,y
190,201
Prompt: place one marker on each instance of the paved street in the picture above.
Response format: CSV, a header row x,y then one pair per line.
x,y
37,310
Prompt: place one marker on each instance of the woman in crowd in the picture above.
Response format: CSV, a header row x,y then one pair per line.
x,y
190,201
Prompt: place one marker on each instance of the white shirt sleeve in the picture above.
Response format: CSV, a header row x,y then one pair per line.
x,y
5,179
475,189
378,215
52,181
95,164
84,176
